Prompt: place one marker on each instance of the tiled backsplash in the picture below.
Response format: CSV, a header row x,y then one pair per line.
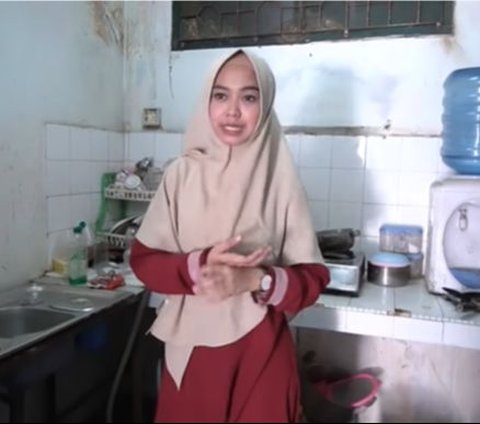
x,y
359,182
76,158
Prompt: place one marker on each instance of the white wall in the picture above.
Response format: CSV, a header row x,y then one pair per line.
x,y
359,181
60,62
341,83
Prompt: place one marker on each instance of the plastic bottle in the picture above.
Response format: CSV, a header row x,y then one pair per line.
x,y
77,265
461,121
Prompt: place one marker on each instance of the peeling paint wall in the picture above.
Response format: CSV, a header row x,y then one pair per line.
x,y
60,63
342,83
107,20
337,84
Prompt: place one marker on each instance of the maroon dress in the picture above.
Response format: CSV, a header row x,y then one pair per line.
x,y
253,379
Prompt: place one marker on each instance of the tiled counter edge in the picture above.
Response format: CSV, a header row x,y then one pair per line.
x,y
405,313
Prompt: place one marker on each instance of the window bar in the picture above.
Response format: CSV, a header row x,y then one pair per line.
x,y
368,14
347,17
389,16
418,18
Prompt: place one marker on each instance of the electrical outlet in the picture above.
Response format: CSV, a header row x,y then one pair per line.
x,y
152,118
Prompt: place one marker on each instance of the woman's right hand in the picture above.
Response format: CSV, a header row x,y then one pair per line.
x,y
220,255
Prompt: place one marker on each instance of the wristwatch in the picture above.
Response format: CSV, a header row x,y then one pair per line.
x,y
265,283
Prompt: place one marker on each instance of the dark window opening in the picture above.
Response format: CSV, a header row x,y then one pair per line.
x,y
210,24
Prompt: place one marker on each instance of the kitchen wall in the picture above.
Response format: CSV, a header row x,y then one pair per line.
x,y
61,62
341,83
362,179
71,109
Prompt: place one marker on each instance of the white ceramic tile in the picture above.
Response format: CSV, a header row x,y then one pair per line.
x,y
316,182
57,142
332,301
80,209
414,188
383,153
346,185
116,147
57,177
293,143
463,335
374,298
80,177
363,323
94,202
115,166
167,146
140,145
315,151
419,154
345,215
381,187
99,145
374,216
417,330
349,152
415,299
58,213
80,143
322,318
96,171
368,245
319,211
414,215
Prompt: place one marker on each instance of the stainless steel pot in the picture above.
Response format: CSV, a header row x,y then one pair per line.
x,y
388,269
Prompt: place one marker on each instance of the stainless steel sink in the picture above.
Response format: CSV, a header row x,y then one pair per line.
x,y
20,320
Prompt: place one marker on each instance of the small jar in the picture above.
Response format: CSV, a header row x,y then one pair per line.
x,y
401,238
416,264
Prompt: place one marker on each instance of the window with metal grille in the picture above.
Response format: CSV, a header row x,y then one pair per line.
x,y
208,24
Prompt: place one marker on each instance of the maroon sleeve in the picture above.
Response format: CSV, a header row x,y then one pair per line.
x,y
163,272
296,287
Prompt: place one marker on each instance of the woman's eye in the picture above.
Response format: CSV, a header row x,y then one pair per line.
x,y
219,96
250,98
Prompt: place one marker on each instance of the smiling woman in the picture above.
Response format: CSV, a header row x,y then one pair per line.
x,y
229,239
235,101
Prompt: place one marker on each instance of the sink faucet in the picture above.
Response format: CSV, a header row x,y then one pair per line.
x,y
33,294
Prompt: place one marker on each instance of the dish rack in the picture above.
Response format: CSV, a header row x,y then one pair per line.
x,y
104,220
132,195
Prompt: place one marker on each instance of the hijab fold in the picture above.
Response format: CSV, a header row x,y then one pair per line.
x,y
213,192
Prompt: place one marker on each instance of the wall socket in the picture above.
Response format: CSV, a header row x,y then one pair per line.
x,y
152,118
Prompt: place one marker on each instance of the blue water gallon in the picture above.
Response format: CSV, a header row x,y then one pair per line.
x,y
461,121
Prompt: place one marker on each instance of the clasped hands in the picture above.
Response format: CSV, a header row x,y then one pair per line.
x,y
227,274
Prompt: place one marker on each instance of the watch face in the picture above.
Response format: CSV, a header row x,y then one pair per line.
x,y
266,283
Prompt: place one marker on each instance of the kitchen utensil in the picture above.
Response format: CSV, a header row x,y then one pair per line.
x,y
337,241
388,269
466,301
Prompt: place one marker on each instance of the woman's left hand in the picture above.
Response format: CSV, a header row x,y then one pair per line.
x,y
218,282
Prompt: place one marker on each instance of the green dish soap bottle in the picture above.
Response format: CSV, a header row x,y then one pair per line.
x,y
77,265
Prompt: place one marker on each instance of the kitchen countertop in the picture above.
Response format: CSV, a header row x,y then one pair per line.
x,y
57,296
407,313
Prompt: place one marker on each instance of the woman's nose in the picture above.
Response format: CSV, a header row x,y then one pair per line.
x,y
233,108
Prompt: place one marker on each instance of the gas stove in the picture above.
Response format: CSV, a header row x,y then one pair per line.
x,y
346,273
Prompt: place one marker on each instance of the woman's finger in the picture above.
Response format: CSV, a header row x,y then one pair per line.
x,y
226,245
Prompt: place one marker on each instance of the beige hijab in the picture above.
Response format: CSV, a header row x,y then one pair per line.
x,y
213,192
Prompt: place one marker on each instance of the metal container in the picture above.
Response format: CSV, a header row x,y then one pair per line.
x,y
388,269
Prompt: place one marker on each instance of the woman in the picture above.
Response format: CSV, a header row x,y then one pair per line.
x,y
229,238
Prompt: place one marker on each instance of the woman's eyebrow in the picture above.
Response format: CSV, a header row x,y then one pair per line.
x,y
222,87
252,87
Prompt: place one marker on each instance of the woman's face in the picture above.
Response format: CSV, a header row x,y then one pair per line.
x,y
235,101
